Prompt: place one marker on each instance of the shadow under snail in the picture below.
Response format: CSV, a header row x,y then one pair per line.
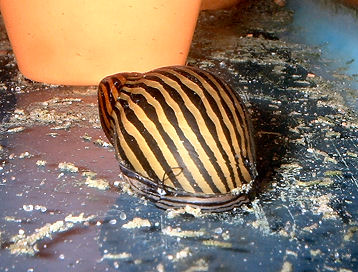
x,y
181,135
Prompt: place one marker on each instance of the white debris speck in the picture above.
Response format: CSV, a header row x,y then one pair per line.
x,y
40,208
25,155
287,267
196,212
15,129
123,216
60,175
28,244
89,174
101,143
86,137
41,163
100,184
78,219
66,125
216,243
67,167
218,230
137,223
53,134
180,255
28,208
178,232
111,256
12,219
112,221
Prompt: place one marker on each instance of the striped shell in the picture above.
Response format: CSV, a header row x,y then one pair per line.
x,y
182,136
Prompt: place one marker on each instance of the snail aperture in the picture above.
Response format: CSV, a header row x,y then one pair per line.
x,y
182,136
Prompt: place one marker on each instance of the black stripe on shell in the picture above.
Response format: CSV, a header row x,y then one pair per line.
x,y
158,93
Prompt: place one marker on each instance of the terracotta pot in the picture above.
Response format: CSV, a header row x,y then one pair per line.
x,y
218,4
79,42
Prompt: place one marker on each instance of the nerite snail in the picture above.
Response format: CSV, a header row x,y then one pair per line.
x,y
182,136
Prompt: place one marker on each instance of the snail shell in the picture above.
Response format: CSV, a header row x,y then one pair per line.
x,y
182,137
